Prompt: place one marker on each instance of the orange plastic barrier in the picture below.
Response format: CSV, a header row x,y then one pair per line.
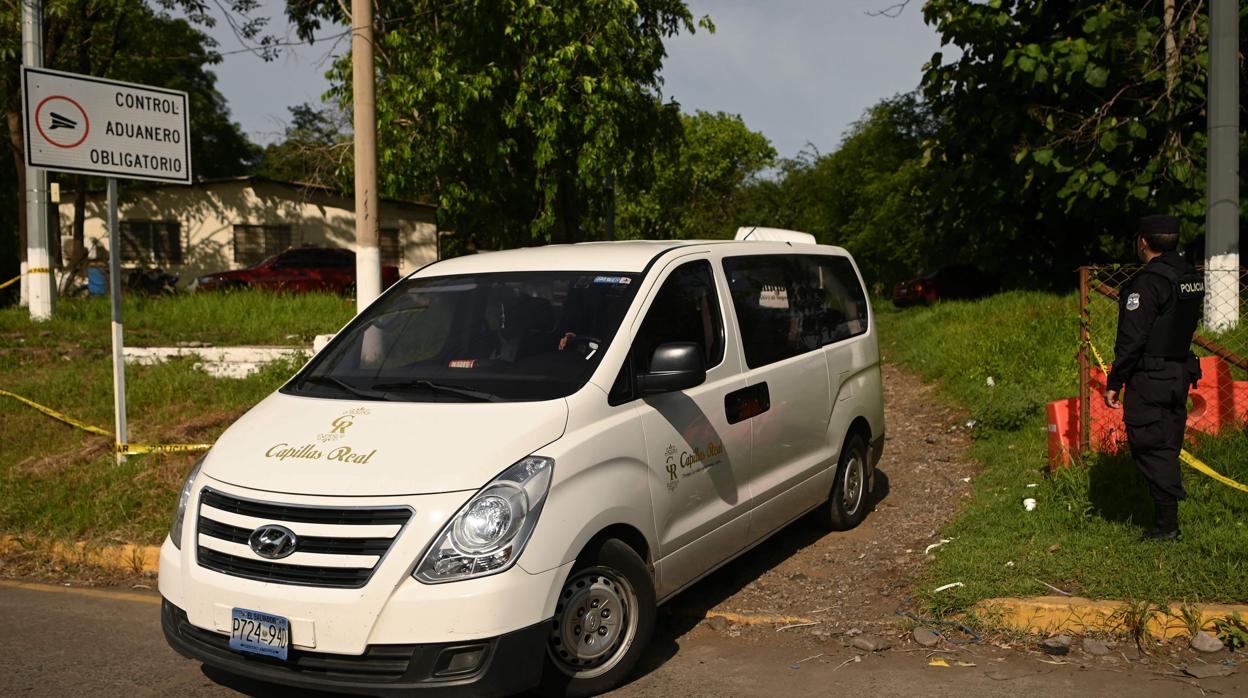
x,y
1217,402
1063,431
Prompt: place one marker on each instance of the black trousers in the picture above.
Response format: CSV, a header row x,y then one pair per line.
x,y
1155,412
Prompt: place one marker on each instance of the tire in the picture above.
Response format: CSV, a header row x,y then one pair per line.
x,y
608,583
847,503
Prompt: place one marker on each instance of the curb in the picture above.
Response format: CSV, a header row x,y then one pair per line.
x,y
123,558
1041,615
1050,615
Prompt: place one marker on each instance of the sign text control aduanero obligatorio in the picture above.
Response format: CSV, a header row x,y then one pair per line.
x,y
79,123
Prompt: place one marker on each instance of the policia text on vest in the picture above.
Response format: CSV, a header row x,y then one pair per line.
x,y
1157,317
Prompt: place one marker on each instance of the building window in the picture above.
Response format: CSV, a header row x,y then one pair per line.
x,y
151,242
255,243
391,249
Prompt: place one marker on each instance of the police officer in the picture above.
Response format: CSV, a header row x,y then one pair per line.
x,y
1158,311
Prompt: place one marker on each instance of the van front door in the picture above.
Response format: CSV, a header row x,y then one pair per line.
x,y
697,456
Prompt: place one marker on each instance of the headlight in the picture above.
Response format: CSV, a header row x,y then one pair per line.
x,y
490,531
179,514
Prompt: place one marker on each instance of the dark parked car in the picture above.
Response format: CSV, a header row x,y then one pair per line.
x,y
297,269
957,281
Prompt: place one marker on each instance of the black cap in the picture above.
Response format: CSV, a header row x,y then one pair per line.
x,y
1159,225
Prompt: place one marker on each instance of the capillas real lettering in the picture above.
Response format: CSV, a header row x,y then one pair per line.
x,y
342,454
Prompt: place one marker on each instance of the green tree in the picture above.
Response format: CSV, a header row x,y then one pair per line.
x,y
1061,122
869,195
513,112
698,180
316,148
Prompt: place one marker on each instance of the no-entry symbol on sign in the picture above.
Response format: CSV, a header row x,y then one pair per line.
x,y
62,121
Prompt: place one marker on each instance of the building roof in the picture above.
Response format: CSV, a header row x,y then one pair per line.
x,y
257,179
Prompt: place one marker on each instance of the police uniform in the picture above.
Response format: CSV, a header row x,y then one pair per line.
x,y
1157,316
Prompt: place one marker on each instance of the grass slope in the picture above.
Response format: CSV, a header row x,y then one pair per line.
x,y
1084,534
60,482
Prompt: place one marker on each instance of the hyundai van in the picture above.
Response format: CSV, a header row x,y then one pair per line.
x,y
491,477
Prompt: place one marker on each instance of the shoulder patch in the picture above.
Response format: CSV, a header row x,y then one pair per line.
x,y
1133,301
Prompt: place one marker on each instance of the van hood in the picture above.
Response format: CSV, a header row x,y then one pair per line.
x,y
314,446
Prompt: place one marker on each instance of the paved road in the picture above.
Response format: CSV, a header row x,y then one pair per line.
x,y
60,641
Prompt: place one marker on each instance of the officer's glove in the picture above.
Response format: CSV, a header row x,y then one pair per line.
x,y
1192,366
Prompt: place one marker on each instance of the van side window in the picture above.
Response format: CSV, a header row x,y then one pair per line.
x,y
791,304
837,307
686,309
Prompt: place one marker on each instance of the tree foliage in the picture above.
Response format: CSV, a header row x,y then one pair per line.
x,y
316,148
1062,122
696,191
868,195
1056,126
514,112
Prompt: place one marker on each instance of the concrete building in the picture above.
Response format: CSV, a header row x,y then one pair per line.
x,y
233,223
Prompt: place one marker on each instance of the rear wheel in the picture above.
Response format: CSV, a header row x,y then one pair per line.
x,y
603,621
847,503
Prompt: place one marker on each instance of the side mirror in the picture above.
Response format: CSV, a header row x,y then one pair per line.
x,y
674,366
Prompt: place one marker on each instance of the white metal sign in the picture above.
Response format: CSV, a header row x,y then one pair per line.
x,y
103,127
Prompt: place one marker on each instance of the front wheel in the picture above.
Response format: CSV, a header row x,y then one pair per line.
x,y
603,621
847,503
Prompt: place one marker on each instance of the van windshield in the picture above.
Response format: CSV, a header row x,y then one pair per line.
x,y
516,336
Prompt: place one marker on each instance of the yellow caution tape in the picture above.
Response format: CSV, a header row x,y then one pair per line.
x,y
10,282
39,270
121,448
1184,455
57,415
1198,464
138,449
1097,354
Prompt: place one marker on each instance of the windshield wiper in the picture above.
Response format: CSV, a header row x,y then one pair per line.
x,y
339,383
476,395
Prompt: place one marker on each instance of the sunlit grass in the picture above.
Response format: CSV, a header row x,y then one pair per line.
x,y
1084,534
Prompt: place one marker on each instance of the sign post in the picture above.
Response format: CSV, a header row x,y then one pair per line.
x,y
119,359
77,123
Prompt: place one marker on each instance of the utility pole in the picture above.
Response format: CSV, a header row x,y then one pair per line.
x,y
1222,218
38,281
364,111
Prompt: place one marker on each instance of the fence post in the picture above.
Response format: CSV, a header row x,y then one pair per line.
x,y
1085,375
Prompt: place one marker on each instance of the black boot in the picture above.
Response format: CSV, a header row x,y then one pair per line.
x,y
1167,527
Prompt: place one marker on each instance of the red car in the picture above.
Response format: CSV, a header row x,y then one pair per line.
x,y
955,282
297,269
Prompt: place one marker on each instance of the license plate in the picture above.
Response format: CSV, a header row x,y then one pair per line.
x,y
259,633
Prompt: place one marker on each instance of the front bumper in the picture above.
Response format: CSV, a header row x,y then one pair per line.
x,y
508,664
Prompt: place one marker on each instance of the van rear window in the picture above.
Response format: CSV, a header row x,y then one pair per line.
x,y
791,304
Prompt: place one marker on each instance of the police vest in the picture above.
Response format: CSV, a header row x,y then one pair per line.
x,y
1171,337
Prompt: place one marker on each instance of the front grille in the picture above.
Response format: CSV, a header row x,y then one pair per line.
x,y
294,569
305,514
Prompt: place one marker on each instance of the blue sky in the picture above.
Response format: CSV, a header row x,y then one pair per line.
x,y
799,71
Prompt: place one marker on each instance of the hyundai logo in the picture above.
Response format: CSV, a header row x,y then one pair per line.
x,y
273,542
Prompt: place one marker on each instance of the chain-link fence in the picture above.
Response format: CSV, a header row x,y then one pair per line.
x,y
1217,404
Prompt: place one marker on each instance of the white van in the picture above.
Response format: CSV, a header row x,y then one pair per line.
x,y
491,477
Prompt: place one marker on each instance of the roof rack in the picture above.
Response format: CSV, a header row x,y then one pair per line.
x,y
753,232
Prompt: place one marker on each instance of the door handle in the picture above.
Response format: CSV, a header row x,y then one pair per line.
x,y
750,401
